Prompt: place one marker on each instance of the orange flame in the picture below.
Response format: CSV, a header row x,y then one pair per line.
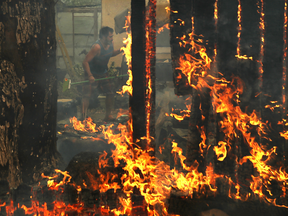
x,y
186,113
52,185
87,125
239,18
154,178
216,26
221,150
202,145
161,29
239,26
225,95
122,112
127,52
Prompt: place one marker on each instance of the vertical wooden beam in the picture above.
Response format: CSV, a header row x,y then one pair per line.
x,y
150,74
137,100
73,37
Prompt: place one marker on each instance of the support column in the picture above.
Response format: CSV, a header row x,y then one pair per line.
x,y
137,100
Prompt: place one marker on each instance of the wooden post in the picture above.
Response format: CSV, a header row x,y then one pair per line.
x,y
137,100
150,74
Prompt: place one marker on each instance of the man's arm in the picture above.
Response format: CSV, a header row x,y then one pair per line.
x,y
95,51
116,52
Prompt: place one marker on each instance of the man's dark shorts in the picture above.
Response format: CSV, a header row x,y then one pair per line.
x,y
104,87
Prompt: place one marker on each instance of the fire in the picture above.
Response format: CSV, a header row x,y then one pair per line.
x,y
52,184
153,178
244,57
161,29
284,59
184,113
284,134
168,9
239,27
127,52
202,145
233,120
87,125
273,105
262,42
150,57
239,18
216,12
122,112
104,182
221,150
216,25
2,205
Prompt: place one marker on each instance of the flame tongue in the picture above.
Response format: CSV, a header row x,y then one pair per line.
x,y
127,52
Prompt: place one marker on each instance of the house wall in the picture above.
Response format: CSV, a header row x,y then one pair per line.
x,y
110,8
87,23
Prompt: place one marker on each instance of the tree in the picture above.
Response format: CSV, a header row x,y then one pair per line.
x,y
29,90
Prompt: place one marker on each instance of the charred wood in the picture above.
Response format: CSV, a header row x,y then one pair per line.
x,y
137,100
29,84
184,12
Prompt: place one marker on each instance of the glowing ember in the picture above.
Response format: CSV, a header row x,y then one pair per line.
x,y
216,25
239,18
273,105
150,56
239,27
284,59
262,42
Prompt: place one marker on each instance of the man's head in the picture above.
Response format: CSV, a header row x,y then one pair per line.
x,y
106,34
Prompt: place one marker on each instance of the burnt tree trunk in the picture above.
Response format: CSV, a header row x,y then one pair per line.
x,y
137,100
29,90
